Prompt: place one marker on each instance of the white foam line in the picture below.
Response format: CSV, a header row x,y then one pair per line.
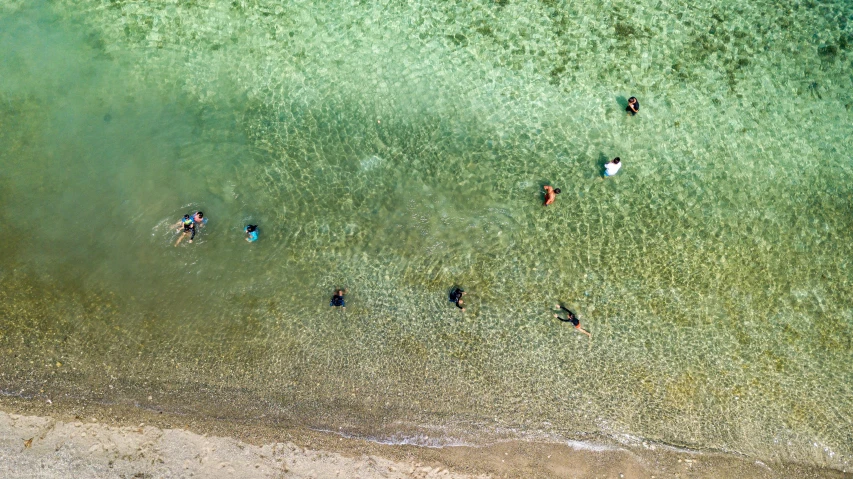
x,y
399,440
438,443
589,446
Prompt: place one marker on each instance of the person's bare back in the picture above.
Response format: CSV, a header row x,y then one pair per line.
x,y
550,194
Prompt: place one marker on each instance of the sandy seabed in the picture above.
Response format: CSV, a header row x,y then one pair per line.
x,y
93,443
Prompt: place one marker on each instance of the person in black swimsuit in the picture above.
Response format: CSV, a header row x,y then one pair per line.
x,y
456,297
633,106
338,299
571,318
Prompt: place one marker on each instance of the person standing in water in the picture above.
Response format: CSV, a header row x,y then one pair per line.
x,y
455,297
612,168
188,226
338,299
199,219
571,318
251,233
633,106
550,194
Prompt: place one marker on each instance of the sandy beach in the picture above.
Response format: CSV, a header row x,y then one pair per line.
x,y
108,442
90,449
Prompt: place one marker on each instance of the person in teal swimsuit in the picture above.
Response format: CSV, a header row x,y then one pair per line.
x,y
188,226
251,233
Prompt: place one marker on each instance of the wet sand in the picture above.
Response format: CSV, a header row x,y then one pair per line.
x,y
58,441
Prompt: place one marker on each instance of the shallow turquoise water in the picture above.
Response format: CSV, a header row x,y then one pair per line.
x,y
399,150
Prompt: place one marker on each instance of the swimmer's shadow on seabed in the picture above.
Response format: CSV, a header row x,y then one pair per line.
x,y
602,160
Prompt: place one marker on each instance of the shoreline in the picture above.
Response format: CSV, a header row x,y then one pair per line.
x,y
107,441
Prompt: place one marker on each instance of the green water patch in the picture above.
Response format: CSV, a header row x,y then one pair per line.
x,y
399,150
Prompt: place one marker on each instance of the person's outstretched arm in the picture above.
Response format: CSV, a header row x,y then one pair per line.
x,y
584,331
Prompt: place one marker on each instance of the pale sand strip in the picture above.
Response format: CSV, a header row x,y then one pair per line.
x,y
86,448
92,450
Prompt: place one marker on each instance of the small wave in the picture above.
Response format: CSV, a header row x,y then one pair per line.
x,y
438,442
590,446
420,440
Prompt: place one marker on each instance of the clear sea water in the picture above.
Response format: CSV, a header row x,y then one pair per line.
x,y
398,149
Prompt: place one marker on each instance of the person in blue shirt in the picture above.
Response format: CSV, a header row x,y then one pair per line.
x,y
199,218
251,233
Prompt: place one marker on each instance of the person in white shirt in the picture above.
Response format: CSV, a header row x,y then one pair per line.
x,y
611,168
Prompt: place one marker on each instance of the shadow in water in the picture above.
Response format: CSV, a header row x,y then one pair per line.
x,y
603,159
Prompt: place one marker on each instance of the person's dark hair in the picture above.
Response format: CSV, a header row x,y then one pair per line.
x,y
251,228
556,191
200,214
616,160
186,217
633,98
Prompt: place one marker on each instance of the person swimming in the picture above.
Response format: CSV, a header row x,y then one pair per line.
x,y
633,106
338,299
251,233
571,318
199,219
455,297
612,168
550,194
188,226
